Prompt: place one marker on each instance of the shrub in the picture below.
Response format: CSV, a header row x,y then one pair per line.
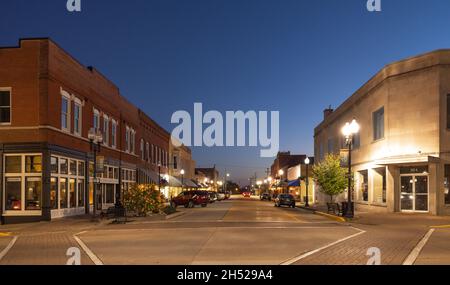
x,y
143,199
330,176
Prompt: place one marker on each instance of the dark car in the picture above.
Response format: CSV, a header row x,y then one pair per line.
x,y
285,200
190,199
265,196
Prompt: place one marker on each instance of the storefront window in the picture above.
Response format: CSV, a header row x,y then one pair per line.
x,y
109,194
81,193
54,165
73,167
13,190
379,185
13,164
54,193
64,165
33,164
91,170
91,193
447,184
63,193
72,195
81,168
33,193
364,186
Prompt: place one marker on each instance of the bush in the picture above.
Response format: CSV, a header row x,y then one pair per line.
x,y
143,199
330,176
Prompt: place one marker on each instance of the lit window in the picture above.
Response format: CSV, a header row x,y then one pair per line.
x,y
33,193
5,106
378,124
13,190
33,164
13,164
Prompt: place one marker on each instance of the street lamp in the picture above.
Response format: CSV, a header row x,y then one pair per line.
x,y
349,131
307,162
182,179
281,173
95,139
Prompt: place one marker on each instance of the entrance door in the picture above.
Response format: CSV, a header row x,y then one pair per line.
x,y
414,193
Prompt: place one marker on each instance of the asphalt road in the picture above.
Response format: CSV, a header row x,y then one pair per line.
x,y
236,232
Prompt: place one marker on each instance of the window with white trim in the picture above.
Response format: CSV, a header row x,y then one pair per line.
x,y
65,113
105,130
133,141
96,123
147,152
142,149
5,106
113,134
77,118
127,139
22,182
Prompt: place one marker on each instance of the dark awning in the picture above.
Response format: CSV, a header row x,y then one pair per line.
x,y
294,183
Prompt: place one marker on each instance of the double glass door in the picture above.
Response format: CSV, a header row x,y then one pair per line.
x,y
414,193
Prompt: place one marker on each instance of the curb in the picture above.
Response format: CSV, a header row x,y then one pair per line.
x,y
331,217
175,215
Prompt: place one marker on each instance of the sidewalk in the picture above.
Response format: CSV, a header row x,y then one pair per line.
x,y
395,235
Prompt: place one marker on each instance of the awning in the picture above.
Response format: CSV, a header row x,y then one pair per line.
x,y
294,183
407,159
190,183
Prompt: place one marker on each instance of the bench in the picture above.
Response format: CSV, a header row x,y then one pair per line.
x,y
334,209
117,213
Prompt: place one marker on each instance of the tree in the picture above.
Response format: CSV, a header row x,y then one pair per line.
x,y
143,199
330,176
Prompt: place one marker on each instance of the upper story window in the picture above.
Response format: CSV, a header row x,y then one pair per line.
x,y
330,148
65,113
77,118
153,154
96,120
127,140
175,162
142,149
105,130
5,106
133,141
147,152
378,124
113,134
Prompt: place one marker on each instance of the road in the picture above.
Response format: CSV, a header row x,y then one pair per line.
x,y
234,232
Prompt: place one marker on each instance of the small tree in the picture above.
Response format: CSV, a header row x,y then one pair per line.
x,y
330,176
143,199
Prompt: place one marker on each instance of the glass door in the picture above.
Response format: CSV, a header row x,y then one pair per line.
x,y
414,193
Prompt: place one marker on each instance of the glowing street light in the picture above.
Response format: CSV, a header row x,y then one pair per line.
x,y
349,131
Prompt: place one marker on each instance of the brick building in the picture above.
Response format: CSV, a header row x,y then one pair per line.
x,y
48,104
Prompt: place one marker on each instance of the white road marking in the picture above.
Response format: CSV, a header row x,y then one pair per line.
x,y
4,252
87,250
298,258
412,257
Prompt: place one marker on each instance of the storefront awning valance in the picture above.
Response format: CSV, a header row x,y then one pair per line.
x,y
294,183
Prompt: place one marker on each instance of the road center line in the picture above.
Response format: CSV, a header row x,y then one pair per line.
x,y
4,252
412,257
87,250
298,258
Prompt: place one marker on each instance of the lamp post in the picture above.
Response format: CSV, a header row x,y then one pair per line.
x,y
182,179
281,173
96,139
225,184
349,131
307,162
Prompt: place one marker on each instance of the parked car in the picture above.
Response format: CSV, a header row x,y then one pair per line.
x,y
285,200
220,196
247,194
190,199
265,196
212,197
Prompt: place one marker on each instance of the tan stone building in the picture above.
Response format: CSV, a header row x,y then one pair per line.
x,y
401,157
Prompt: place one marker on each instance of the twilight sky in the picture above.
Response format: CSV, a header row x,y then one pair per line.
x,y
292,56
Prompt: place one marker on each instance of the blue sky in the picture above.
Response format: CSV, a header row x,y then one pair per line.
x,y
292,56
